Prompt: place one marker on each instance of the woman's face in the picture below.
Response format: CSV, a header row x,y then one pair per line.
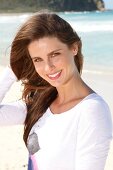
x,y
53,60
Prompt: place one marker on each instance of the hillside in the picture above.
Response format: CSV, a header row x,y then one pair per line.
x,y
55,5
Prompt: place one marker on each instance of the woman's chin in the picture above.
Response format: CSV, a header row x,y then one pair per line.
x,y
56,84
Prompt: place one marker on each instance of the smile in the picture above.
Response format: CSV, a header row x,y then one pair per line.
x,y
55,76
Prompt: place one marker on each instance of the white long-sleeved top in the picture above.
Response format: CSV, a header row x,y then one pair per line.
x,y
77,139
10,113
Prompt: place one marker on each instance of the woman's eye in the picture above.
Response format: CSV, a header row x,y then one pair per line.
x,y
55,54
37,60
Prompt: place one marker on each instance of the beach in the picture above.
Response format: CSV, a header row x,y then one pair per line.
x,y
95,30
13,153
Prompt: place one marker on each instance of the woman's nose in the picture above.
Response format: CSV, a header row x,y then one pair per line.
x,y
49,66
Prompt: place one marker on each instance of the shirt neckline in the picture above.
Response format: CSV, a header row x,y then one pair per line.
x,y
56,114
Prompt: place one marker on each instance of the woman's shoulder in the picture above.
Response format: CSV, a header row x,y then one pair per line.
x,y
94,100
95,108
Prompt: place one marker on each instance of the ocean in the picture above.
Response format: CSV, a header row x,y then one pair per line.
x,y
94,28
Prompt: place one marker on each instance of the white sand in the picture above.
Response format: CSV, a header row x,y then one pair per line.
x,y
13,153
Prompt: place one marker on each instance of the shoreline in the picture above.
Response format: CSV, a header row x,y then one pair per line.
x,y
100,80
16,12
93,68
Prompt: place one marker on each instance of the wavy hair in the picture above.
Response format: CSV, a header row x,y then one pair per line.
x,y
38,94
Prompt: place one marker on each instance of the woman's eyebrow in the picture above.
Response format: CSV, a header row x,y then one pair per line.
x,y
49,54
53,52
35,58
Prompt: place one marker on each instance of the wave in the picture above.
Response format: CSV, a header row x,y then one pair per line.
x,y
13,18
78,25
92,26
80,12
99,72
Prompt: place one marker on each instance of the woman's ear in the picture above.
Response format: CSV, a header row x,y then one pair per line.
x,y
75,49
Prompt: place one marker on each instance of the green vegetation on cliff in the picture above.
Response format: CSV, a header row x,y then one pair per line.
x,y
55,5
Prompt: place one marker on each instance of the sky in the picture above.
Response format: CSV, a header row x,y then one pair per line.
x,y
108,4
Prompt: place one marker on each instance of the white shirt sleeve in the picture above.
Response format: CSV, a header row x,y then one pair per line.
x,y
94,136
11,113
7,78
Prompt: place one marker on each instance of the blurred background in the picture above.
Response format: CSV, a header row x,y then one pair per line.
x,y
93,21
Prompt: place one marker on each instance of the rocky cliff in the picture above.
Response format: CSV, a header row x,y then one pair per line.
x,y
77,5
56,5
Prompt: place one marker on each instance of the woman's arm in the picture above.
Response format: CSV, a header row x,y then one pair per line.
x,y
10,113
13,113
7,78
94,137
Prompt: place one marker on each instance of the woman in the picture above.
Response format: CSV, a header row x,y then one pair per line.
x,y
67,126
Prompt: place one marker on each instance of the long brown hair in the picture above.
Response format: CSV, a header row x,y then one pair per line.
x,y
39,94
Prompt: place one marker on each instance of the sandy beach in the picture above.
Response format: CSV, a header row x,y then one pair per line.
x,y
13,153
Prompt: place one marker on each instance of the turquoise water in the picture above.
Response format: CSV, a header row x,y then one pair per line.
x,y
94,28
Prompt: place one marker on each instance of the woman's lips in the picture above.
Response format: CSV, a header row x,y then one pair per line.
x,y
55,75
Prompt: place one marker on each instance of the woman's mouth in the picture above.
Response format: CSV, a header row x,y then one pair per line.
x,y
55,75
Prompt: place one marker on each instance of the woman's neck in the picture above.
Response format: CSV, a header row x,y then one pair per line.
x,y
75,89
